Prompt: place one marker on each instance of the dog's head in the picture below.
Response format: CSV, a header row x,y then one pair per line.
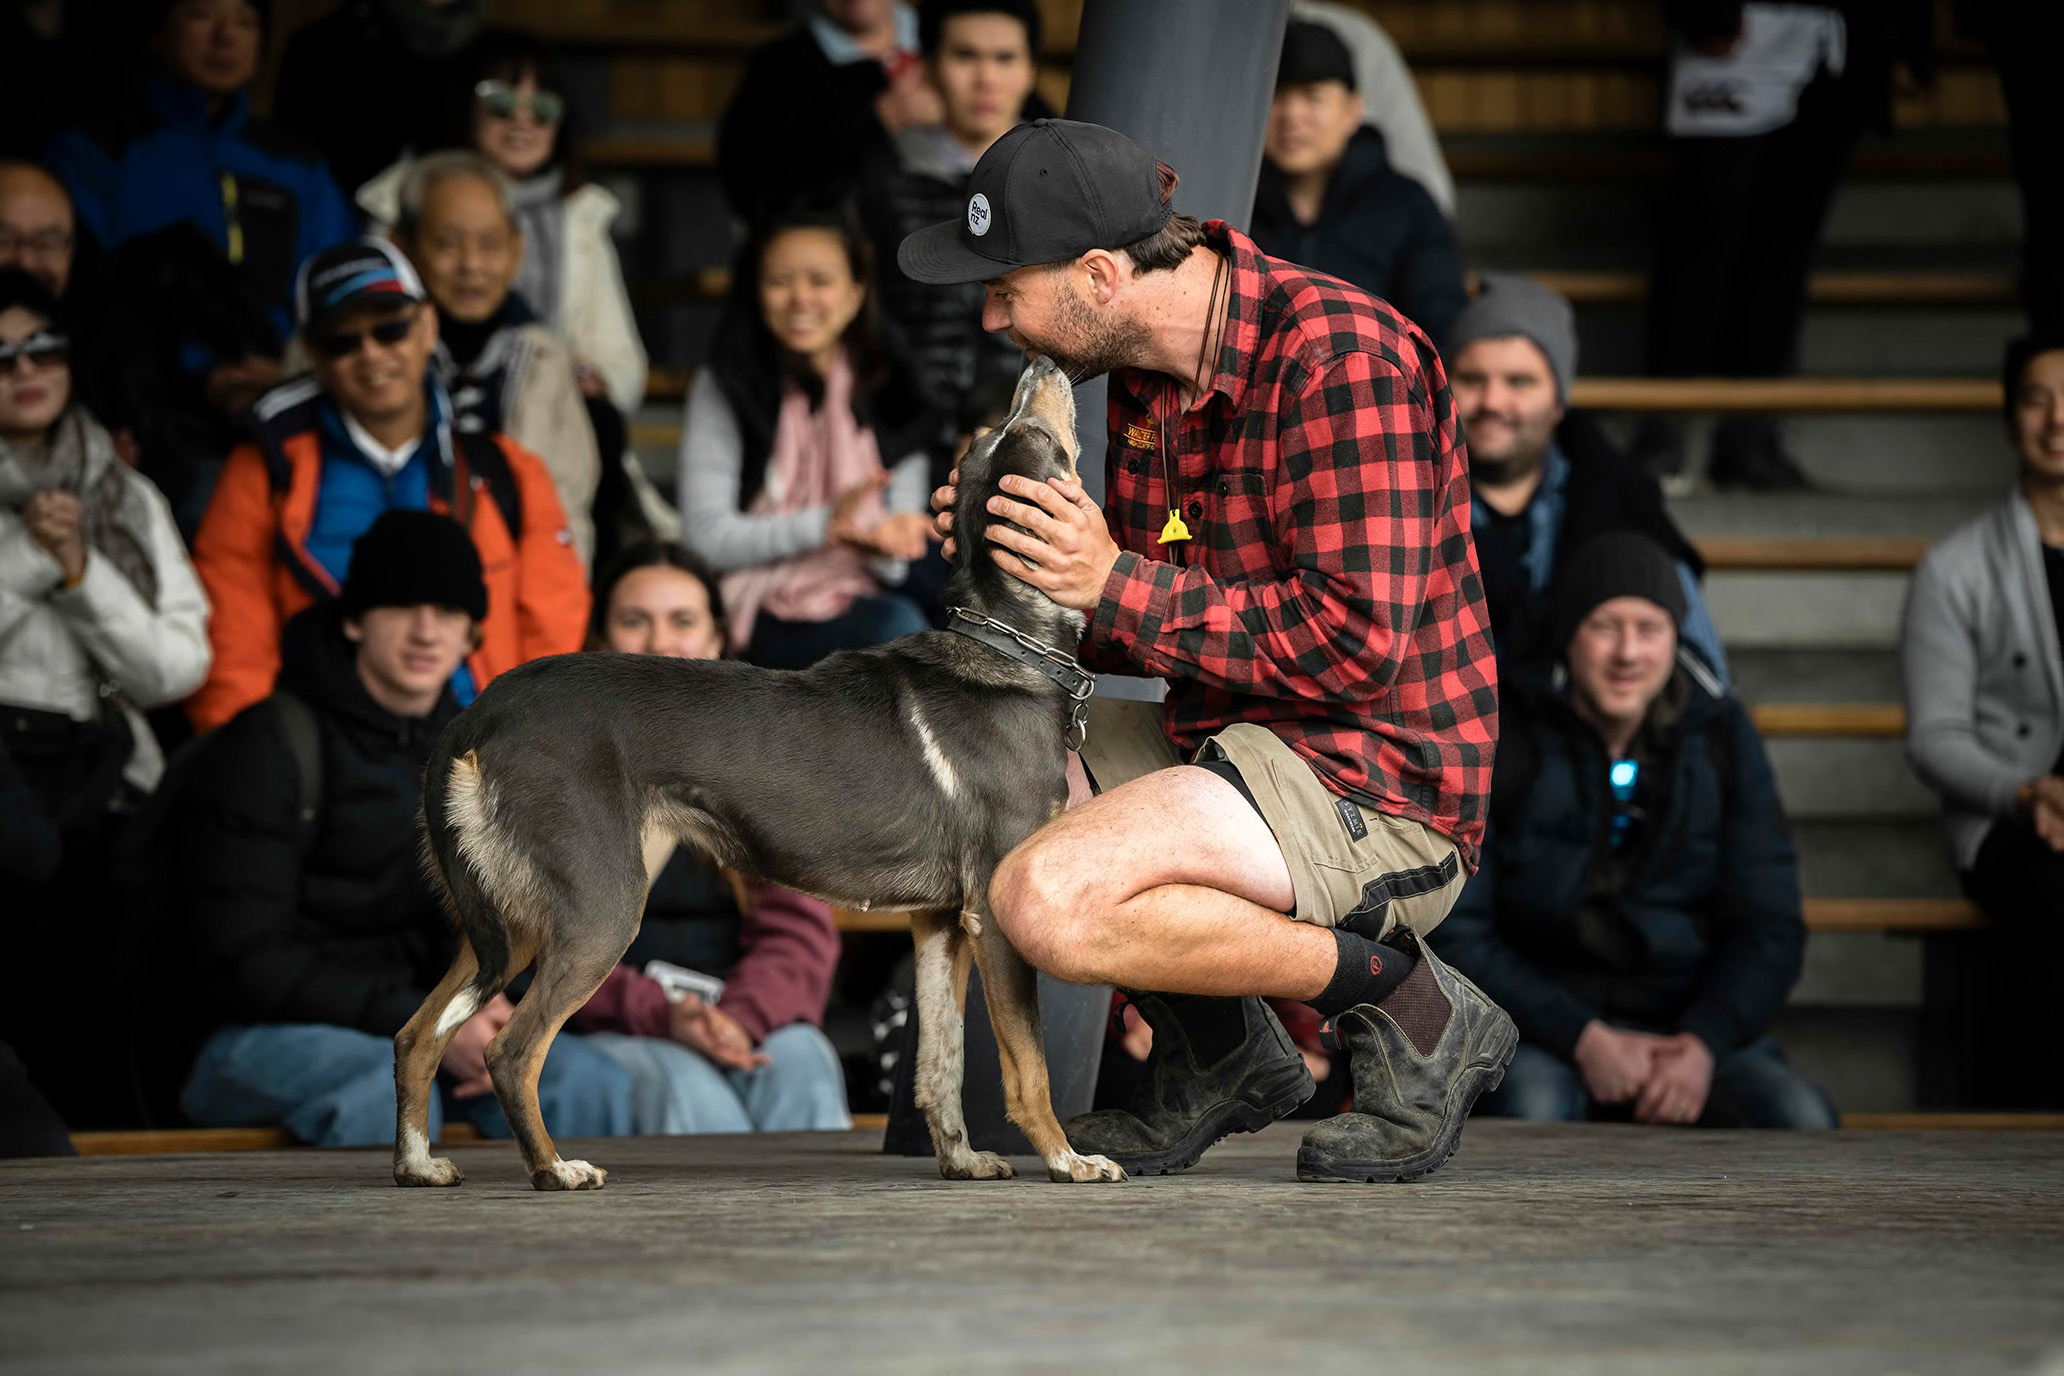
x,y
1036,441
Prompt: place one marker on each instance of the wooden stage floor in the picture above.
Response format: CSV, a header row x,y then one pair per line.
x,y
1538,1249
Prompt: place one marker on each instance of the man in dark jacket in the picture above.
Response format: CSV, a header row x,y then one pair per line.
x,y
1329,199
1544,479
982,58
1637,911
818,102
315,938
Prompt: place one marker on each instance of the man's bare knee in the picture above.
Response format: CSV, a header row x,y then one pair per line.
x,y
1043,910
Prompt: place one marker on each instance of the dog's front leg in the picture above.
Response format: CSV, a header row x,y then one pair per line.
x,y
1012,990
942,970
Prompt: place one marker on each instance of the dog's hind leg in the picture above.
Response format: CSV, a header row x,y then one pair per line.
x,y
1012,990
943,954
418,1048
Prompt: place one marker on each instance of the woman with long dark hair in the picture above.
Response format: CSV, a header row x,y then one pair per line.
x,y
803,469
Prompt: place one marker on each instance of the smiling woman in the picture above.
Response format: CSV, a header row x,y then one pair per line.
x,y
804,457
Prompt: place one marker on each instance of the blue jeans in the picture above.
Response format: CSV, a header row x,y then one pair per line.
x,y
779,644
334,1087
675,1090
1753,1087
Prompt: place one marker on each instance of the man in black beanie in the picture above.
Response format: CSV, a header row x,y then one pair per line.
x,y
1329,199
314,935
1637,911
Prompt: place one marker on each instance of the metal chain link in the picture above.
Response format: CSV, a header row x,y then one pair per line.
x,y
1078,694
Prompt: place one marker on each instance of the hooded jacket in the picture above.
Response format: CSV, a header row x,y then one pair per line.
x,y
1377,228
253,557
1695,927
262,196
332,922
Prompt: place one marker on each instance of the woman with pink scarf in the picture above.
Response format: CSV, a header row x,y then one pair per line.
x,y
804,470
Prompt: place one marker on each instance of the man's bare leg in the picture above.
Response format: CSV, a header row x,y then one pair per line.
x,y
1170,882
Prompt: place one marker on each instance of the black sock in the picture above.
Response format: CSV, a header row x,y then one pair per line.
x,y
1365,972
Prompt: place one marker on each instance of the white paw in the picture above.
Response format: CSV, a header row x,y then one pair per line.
x,y
569,1175
428,1170
978,1165
1084,1169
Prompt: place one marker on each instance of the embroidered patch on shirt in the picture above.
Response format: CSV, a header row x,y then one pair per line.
x,y
1140,436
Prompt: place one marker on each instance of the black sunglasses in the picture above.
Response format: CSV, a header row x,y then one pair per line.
x,y
44,349
345,343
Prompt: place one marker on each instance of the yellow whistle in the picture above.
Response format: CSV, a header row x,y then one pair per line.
x,y
1175,529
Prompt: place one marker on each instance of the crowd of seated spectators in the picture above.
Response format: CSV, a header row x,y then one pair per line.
x,y
311,425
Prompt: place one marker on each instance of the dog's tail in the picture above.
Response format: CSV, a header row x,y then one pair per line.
x,y
457,812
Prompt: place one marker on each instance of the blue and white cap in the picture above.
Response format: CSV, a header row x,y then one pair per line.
x,y
354,274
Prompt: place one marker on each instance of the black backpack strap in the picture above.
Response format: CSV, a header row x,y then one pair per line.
x,y
479,456
304,742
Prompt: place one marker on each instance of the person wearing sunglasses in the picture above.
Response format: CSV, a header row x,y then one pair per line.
x,y
1637,911
368,431
101,618
518,118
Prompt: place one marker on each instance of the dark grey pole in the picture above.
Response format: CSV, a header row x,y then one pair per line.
x,y
1190,80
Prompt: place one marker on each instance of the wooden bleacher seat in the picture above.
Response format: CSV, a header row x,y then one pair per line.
x,y
166,1141
1896,289
1877,719
1788,394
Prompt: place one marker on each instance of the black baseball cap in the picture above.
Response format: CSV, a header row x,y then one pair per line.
x,y
1045,192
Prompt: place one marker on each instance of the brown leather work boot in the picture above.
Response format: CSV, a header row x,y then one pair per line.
x,y
1219,1066
1419,1059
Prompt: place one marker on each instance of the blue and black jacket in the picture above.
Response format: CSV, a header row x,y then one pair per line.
x,y
1692,924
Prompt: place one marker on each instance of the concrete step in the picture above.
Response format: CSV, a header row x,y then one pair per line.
x,y
1859,970
1849,780
1838,611
1819,514
1812,675
1865,1059
1874,858
1838,341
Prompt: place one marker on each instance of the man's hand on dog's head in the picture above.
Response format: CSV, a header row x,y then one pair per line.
x,y
942,502
1070,552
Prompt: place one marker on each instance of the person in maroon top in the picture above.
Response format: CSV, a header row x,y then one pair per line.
x,y
739,1050
1286,541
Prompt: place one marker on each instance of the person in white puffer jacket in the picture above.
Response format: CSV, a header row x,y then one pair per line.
x,y
101,615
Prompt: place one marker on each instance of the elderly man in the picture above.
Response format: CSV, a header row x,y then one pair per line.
x,y
504,371
1544,479
114,367
369,431
1638,907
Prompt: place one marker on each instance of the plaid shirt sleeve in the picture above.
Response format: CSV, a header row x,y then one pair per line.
x,y
1357,504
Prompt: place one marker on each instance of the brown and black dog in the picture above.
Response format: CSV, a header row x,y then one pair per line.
x,y
894,777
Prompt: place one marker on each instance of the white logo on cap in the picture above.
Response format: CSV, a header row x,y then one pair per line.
x,y
978,215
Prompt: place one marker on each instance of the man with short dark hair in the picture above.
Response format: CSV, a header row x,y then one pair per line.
x,y
1329,199
370,431
1286,541
983,59
316,937
1544,478
1638,907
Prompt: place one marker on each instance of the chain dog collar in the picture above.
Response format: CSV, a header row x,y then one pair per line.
x,y
1076,681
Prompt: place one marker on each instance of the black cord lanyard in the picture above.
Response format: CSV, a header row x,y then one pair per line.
x,y
1175,531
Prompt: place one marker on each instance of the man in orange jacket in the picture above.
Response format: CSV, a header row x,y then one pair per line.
x,y
367,432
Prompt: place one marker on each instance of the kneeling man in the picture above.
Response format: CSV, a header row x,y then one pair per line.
x,y
1286,541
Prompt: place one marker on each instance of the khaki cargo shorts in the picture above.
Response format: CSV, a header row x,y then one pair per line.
x,y
1350,866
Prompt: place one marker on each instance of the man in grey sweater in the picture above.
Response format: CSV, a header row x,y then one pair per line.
x,y
1984,660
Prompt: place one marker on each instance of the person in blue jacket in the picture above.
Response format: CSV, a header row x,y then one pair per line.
x,y
1637,911
208,209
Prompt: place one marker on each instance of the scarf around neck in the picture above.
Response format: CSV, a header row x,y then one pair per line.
x,y
79,458
541,214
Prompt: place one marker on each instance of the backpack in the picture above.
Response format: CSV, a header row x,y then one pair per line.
x,y
162,1029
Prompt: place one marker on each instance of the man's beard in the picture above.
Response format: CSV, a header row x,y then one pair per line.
x,y
1500,470
1088,344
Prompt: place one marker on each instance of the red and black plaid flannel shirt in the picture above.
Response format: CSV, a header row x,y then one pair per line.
x,y
1330,590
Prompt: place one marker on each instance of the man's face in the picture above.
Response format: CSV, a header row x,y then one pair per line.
x,y
1050,309
984,72
2039,416
466,248
212,44
411,651
36,227
1310,124
1505,395
376,379
1621,656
